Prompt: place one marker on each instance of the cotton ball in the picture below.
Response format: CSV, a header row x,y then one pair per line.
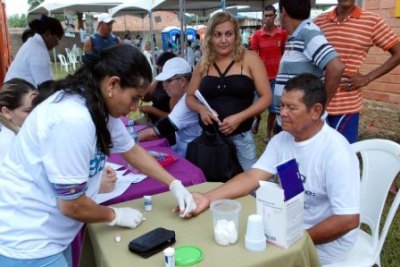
x,y
117,238
233,233
225,232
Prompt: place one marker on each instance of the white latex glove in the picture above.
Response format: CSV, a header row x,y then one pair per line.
x,y
185,199
127,217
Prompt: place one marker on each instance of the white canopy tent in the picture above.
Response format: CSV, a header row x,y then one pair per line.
x,y
139,7
58,6
198,7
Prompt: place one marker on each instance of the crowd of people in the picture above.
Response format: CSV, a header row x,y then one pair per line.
x,y
55,135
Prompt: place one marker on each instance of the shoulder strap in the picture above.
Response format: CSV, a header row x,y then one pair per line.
x,y
226,70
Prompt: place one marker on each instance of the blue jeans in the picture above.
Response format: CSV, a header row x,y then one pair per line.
x,y
245,149
346,124
62,259
273,108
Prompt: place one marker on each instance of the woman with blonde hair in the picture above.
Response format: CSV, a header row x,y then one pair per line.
x,y
228,76
15,104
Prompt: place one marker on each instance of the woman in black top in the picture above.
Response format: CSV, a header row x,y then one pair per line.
x,y
228,76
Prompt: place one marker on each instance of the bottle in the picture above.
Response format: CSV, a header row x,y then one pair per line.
x,y
169,257
148,203
132,131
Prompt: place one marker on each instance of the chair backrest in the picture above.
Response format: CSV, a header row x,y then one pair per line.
x,y
72,58
62,59
380,166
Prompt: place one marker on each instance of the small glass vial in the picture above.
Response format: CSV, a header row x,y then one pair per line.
x,y
132,131
169,257
148,203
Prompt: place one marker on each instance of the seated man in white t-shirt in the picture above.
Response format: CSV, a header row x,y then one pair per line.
x,y
329,169
175,76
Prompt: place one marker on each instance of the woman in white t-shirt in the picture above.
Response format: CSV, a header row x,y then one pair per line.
x,y
50,176
15,105
32,62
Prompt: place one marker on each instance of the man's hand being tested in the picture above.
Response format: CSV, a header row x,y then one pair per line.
x,y
127,217
185,199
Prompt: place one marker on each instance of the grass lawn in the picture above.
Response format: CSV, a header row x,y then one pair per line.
x,y
390,255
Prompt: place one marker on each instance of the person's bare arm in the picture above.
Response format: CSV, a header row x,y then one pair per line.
x,y
240,185
191,101
360,80
87,46
333,228
153,111
147,134
85,210
141,160
333,73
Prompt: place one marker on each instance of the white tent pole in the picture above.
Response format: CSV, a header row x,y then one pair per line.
x,y
152,40
181,16
54,49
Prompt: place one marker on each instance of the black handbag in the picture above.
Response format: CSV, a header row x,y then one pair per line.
x,y
152,242
215,155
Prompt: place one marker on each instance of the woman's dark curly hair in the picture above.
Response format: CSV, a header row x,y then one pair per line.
x,y
123,61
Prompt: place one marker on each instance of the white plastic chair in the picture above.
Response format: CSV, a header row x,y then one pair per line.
x,y
380,166
63,62
78,53
72,59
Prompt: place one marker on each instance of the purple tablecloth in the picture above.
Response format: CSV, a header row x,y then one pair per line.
x,y
181,169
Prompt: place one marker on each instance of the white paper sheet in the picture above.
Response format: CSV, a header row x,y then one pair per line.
x,y
122,184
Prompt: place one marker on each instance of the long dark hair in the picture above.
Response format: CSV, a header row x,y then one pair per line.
x,y
123,61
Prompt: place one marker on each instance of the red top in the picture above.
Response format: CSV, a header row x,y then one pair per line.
x,y
270,49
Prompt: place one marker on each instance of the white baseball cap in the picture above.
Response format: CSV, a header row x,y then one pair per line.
x,y
172,67
105,17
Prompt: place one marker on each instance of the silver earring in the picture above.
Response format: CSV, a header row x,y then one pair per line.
x,y
110,93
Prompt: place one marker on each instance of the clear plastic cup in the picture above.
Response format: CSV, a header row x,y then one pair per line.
x,y
225,213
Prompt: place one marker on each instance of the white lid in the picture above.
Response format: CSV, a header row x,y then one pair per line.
x,y
169,251
147,197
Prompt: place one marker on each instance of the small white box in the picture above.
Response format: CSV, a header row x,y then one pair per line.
x,y
283,220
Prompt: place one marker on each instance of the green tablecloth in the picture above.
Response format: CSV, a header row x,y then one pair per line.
x,y
101,250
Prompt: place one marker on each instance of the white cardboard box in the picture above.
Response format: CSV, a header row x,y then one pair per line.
x,y
283,220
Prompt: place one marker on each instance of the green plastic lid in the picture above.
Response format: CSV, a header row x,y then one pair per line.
x,y
188,255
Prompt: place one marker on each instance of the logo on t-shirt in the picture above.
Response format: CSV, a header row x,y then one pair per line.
x,y
97,163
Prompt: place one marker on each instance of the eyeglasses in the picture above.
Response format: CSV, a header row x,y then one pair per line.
x,y
171,79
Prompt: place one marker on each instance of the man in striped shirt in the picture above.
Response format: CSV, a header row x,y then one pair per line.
x,y
352,31
306,50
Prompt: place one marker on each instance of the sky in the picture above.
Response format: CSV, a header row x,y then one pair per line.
x,y
16,7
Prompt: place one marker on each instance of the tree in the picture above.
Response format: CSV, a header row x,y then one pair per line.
x,y
17,21
34,3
